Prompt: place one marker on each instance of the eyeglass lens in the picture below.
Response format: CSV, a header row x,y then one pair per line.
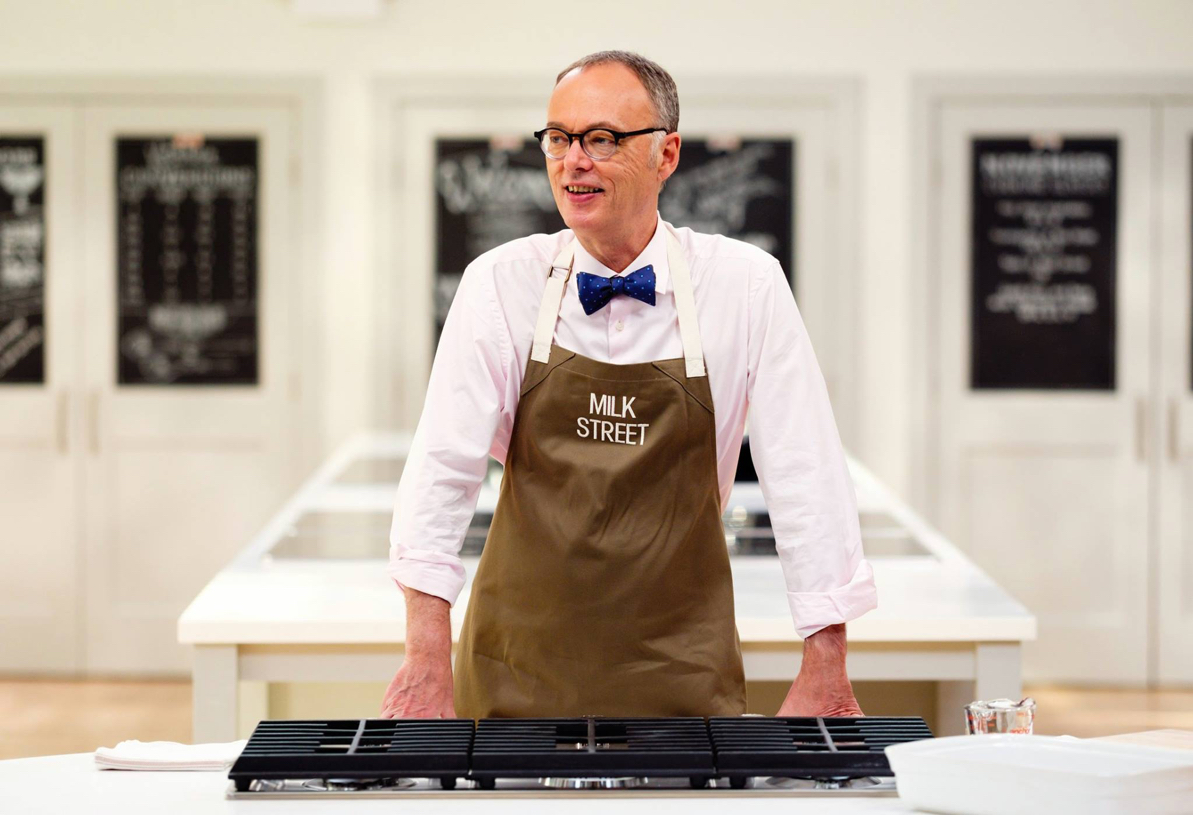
x,y
596,143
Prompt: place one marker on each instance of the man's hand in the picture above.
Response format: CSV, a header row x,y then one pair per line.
x,y
822,687
423,686
420,691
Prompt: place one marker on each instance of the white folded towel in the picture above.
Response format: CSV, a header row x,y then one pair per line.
x,y
168,756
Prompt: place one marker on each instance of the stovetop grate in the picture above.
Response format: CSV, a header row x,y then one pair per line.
x,y
360,748
582,747
364,750
805,746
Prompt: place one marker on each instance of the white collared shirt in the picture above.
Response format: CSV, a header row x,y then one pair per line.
x,y
759,359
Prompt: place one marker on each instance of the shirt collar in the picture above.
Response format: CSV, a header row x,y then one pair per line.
x,y
654,255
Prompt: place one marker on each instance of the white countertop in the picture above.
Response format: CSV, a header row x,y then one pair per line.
x,y
940,596
356,602
53,785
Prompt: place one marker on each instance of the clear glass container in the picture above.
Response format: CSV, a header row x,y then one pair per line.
x,y
1000,716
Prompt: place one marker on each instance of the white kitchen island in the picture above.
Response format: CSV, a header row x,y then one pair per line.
x,y
308,600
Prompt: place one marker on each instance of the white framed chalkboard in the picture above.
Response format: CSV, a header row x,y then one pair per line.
x,y
187,260
22,259
1043,274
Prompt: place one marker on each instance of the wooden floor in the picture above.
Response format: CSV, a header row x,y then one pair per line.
x,y
1087,713
45,717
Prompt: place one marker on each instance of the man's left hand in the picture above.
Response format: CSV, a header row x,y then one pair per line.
x,y
816,693
822,687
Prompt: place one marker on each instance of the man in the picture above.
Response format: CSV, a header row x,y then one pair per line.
x,y
610,366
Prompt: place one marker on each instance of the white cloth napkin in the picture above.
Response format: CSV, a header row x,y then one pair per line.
x,y
169,756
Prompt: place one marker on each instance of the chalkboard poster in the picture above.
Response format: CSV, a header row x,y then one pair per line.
x,y
187,260
740,188
1043,265
490,192
487,193
22,260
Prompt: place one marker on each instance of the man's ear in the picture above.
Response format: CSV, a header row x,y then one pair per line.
x,y
669,156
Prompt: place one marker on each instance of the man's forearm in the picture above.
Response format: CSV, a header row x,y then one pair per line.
x,y
825,650
428,627
422,686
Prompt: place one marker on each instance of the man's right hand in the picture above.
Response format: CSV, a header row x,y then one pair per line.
x,y
420,691
423,687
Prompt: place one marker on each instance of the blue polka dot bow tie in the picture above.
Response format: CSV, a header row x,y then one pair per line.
x,y
596,291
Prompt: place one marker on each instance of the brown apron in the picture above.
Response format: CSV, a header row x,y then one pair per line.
x,y
604,587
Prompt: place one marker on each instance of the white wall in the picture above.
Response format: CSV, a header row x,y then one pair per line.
x,y
884,42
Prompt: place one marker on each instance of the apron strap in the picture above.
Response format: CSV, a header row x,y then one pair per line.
x,y
544,329
685,305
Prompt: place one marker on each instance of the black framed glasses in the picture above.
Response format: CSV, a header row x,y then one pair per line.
x,y
598,142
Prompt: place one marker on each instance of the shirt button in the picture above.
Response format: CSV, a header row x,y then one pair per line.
x,y
620,325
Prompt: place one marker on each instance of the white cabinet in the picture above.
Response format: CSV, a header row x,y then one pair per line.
x,y
119,501
1173,414
40,429
1075,497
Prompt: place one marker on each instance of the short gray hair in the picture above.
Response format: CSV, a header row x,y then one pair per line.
x,y
660,87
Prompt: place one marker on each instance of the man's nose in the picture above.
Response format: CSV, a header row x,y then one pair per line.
x,y
576,158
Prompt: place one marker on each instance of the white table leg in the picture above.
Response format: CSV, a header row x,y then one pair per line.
x,y
951,699
252,706
214,691
999,674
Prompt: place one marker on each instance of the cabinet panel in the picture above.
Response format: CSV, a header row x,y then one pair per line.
x,y
189,365
1174,573
39,408
1043,476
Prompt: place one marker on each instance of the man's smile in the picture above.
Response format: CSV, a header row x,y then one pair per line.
x,y
582,193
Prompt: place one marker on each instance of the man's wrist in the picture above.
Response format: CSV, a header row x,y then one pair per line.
x,y
432,649
428,662
824,651
428,631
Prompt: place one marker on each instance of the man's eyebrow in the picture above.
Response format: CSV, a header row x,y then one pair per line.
x,y
605,124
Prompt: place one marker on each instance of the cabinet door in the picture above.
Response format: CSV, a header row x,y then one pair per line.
x,y
1175,550
1042,385
190,393
38,404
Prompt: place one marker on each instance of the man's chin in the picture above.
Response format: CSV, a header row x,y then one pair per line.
x,y
581,219
588,214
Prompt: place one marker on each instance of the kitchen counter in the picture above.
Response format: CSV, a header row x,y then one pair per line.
x,y
308,616
52,785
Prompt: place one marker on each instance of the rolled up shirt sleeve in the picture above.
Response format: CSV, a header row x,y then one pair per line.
x,y
801,465
449,455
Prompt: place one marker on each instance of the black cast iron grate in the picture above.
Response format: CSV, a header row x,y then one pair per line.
x,y
356,749
795,747
592,747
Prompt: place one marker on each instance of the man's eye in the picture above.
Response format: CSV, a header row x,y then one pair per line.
x,y
601,140
556,138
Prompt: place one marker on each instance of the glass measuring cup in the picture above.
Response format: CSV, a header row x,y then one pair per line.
x,y
1000,716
